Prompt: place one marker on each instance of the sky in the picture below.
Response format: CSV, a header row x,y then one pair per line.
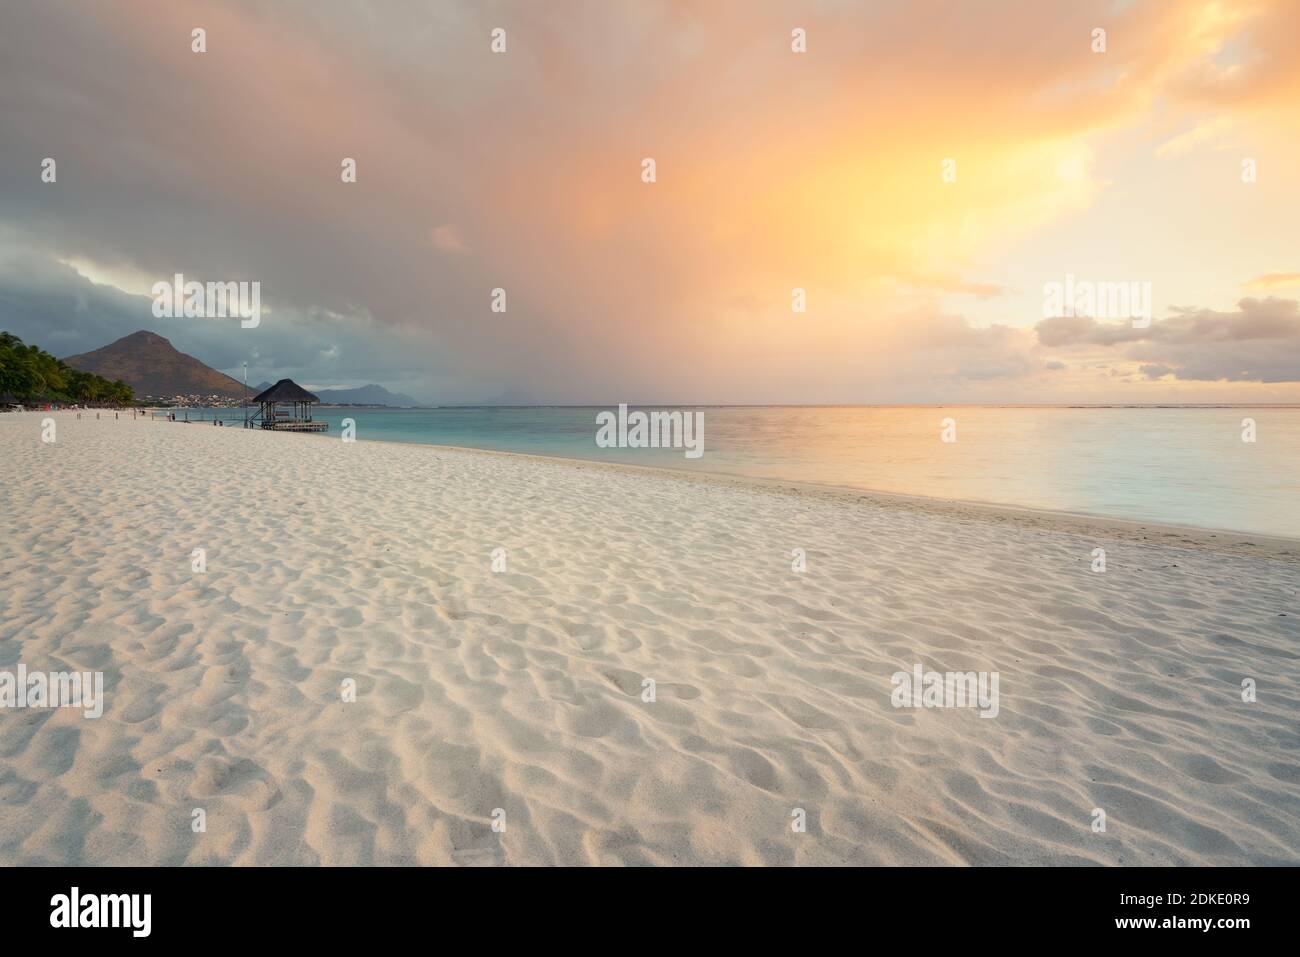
x,y
922,170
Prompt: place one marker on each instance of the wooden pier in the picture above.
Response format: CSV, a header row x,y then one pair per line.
x,y
285,407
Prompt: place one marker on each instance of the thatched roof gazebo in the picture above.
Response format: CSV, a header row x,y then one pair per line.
x,y
285,407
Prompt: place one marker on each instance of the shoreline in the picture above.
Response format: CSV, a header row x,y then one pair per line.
x,y
1159,533
1276,547
368,653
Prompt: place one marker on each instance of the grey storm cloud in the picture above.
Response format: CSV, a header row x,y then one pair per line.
x,y
48,303
474,171
1259,342
478,171
226,167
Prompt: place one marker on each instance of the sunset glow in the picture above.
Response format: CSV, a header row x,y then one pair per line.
x,y
921,172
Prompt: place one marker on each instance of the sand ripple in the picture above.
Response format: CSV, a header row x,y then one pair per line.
x,y
520,693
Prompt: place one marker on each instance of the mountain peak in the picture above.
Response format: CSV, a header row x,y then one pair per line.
x,y
152,366
366,395
143,335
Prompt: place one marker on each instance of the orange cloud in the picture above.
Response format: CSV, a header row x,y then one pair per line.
x,y
826,170
1273,280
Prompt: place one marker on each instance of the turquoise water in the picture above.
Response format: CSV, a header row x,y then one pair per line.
x,y
1185,466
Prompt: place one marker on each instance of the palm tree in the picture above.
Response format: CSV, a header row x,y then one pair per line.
x,y
28,371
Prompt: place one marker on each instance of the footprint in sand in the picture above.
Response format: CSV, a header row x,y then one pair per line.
x,y
239,780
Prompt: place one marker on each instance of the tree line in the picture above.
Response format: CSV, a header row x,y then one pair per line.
x,y
30,373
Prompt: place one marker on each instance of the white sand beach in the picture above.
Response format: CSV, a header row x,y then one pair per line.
x,y
521,690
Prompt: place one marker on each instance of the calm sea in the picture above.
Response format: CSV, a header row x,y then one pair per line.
x,y
1185,466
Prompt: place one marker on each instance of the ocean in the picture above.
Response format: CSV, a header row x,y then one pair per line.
x,y
1180,465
